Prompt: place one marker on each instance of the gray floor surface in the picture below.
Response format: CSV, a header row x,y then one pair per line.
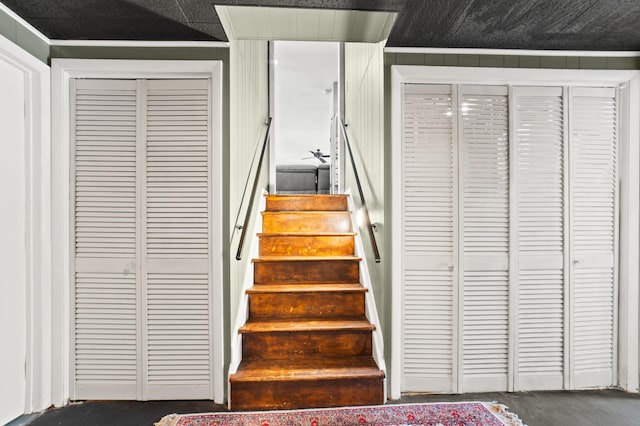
x,y
583,408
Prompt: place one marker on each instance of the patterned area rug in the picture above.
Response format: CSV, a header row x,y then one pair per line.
x,y
437,414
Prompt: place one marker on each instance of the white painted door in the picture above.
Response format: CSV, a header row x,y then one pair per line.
x,y
429,209
593,237
176,298
143,312
523,297
484,270
538,259
106,316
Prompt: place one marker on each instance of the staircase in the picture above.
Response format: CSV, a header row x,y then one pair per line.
x,y
307,342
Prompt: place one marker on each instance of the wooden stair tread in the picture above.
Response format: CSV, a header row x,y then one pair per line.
x,y
309,368
303,258
308,288
307,324
306,213
306,234
289,196
302,202
265,286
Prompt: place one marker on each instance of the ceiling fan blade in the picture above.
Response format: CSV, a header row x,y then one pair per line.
x,y
322,160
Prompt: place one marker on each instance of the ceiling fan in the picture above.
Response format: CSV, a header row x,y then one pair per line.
x,y
319,155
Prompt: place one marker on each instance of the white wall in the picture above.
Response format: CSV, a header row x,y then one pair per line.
x,y
304,71
13,256
249,110
364,115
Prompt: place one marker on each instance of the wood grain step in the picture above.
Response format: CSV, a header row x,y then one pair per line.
x,y
259,386
319,393
310,324
300,300
310,368
275,259
306,202
306,269
306,221
304,244
349,337
308,288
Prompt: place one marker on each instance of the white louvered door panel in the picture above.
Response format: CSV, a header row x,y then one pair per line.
x,y
429,234
540,199
177,303
484,128
105,350
593,237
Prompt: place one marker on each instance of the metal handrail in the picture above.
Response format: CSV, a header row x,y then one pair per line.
x,y
247,216
367,218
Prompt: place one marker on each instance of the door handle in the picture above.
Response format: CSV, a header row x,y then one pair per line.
x,y
578,261
450,266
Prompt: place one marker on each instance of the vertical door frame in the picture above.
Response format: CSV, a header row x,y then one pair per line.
x,y
62,71
37,144
629,205
458,239
514,241
566,271
142,91
628,361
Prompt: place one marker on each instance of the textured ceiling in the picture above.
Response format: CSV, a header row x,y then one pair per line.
x,y
498,24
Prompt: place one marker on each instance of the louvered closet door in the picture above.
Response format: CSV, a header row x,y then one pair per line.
x,y
539,260
593,237
483,131
429,234
177,289
105,340
143,308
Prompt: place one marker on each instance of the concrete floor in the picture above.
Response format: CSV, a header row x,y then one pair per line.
x,y
583,408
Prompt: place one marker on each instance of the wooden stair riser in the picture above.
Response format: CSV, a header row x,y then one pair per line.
x,y
312,222
308,271
285,395
291,344
302,245
301,305
307,203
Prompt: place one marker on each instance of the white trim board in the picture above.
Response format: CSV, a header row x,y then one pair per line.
x,y
24,23
628,335
499,76
38,238
512,52
138,43
63,70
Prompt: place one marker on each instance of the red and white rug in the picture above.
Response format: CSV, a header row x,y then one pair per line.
x,y
434,414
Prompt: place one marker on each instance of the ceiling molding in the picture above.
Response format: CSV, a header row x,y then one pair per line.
x,y
24,23
136,43
511,52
